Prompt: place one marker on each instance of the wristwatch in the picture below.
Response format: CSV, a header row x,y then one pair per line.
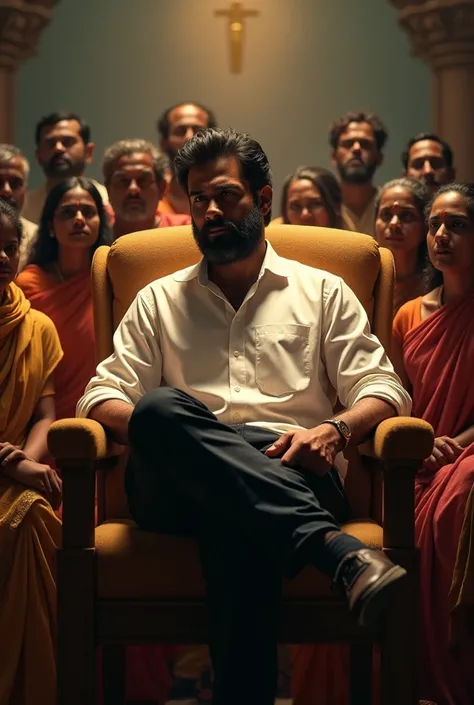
x,y
342,427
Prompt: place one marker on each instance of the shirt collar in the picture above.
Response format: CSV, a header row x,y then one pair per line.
x,y
272,262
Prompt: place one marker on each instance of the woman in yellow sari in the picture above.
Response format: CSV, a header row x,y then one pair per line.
x,y
29,489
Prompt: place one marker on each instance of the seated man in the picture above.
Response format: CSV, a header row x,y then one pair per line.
x,y
134,173
14,172
223,381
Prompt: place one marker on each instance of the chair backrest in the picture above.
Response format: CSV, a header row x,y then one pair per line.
x,y
133,261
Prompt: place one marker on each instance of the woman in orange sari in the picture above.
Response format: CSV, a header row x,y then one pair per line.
x,y
400,226
29,489
57,280
433,351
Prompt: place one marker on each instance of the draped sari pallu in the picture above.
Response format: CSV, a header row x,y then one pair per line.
x,y
439,361
29,530
69,305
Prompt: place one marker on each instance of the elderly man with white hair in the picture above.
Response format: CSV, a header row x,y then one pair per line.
x,y
14,172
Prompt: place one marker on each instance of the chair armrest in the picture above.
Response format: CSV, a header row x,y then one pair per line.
x,y
402,443
403,438
80,440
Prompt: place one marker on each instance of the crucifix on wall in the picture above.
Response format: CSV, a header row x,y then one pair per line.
x,y
236,16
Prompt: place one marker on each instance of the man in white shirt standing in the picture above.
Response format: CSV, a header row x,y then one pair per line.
x,y
223,381
63,149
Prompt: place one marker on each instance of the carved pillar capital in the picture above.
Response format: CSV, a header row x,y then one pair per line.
x,y
441,32
21,24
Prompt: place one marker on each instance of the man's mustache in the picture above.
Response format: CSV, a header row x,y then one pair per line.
x,y
59,158
11,200
134,199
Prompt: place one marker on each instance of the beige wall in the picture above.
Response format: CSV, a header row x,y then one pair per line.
x,y
120,63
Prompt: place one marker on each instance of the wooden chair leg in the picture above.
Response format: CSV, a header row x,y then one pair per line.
x,y
361,674
114,674
399,637
76,661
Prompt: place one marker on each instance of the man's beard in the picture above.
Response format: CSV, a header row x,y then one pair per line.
x,y
356,174
237,243
63,167
11,201
431,183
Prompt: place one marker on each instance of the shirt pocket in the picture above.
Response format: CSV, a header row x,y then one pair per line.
x,y
282,358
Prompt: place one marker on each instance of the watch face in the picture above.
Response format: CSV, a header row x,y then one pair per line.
x,y
346,431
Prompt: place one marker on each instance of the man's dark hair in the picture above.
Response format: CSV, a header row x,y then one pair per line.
x,y
446,149
54,118
212,143
341,125
11,214
163,122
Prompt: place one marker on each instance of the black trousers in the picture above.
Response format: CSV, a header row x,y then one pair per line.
x,y
255,520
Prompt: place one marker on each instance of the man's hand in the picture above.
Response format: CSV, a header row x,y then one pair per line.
x,y
41,477
314,449
445,452
10,454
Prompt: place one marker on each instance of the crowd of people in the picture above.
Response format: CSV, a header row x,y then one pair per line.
x,y
219,182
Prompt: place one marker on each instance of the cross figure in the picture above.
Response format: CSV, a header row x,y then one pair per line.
x,y
236,16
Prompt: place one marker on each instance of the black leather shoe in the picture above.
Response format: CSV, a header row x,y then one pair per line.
x,y
369,579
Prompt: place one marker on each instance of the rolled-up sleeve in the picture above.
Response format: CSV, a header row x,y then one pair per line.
x,y
135,366
355,360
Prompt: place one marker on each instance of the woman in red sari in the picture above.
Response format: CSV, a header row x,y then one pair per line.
x,y
57,281
433,352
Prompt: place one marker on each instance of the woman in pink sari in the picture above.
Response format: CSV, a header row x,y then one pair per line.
x,y
433,352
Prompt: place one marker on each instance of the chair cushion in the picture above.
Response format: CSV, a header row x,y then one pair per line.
x,y
138,259
135,564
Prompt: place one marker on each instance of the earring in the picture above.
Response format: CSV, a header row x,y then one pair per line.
x,y
51,235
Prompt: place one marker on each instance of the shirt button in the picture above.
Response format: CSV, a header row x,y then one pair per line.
x,y
236,389
236,353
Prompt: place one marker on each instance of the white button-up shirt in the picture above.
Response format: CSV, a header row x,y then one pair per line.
x,y
299,341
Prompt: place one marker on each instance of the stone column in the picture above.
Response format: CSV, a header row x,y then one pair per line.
x,y
441,32
21,24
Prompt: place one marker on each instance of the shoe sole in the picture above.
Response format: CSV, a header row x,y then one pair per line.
x,y
374,600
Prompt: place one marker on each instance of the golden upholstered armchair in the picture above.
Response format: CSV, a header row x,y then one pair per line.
x,y
119,585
